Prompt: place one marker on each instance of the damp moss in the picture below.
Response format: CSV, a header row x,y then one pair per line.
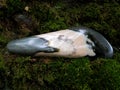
x,y
48,73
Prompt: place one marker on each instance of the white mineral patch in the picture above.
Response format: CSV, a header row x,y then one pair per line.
x,y
70,44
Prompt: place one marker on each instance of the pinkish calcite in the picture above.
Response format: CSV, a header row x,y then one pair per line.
x,y
71,43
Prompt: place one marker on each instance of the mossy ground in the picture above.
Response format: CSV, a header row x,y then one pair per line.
x,y
49,73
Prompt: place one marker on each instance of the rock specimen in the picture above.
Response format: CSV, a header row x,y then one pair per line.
x,y
71,43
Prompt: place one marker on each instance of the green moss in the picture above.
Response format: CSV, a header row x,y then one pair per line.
x,y
106,74
14,7
28,73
